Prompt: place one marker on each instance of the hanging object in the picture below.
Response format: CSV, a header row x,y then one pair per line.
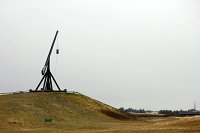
x,y
57,51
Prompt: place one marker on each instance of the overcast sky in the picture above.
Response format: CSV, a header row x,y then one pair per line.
x,y
130,53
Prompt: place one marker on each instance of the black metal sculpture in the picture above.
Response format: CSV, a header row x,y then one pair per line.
x,y
47,75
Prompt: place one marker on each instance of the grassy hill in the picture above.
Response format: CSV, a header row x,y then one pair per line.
x,y
68,111
25,113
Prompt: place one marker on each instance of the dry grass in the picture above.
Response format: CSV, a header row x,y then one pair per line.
x,y
25,112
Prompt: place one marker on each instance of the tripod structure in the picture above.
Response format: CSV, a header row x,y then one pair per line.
x,y
47,75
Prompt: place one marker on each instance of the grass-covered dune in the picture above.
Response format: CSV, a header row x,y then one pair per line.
x,y
26,112
68,111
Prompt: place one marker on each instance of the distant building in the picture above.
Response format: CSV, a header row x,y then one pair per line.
x,y
189,112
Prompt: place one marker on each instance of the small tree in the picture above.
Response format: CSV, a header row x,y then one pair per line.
x,y
121,109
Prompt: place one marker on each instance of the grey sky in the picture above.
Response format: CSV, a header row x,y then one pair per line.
x,y
131,53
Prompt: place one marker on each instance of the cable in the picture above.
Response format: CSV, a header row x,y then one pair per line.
x,y
57,52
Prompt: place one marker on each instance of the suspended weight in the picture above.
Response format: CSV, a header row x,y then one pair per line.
x,y
57,51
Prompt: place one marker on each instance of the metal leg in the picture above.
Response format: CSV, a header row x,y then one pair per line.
x,y
40,83
55,82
